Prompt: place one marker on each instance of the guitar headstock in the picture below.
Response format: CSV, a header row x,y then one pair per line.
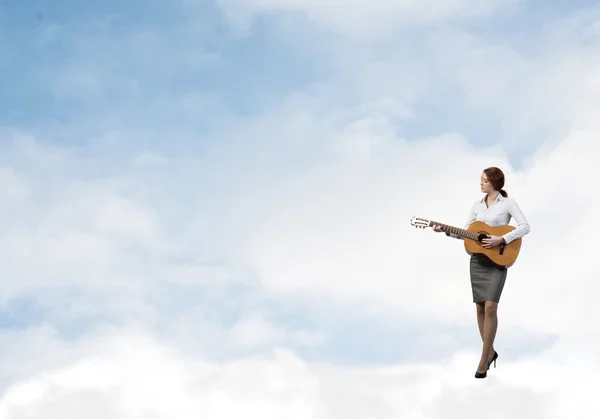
x,y
419,222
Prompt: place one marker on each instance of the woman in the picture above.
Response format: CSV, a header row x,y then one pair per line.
x,y
487,280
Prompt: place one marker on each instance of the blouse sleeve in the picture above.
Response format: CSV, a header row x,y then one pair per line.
x,y
523,226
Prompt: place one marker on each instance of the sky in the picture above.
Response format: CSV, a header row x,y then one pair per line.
x,y
205,207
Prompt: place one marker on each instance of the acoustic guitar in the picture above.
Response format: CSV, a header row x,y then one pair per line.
x,y
503,255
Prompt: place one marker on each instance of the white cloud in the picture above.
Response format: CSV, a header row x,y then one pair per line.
x,y
76,236
132,376
254,331
339,228
12,187
363,17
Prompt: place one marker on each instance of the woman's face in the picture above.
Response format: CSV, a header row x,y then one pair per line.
x,y
486,186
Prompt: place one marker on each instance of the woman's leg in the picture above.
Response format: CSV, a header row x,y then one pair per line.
x,y
481,321
489,334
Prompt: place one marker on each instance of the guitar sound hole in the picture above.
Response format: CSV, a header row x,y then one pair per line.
x,y
482,235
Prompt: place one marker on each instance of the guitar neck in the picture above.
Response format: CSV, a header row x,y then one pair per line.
x,y
465,234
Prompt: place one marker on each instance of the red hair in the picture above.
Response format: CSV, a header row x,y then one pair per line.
x,y
496,178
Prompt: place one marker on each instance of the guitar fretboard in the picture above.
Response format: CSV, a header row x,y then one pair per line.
x,y
466,234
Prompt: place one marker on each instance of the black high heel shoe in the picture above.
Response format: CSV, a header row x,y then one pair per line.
x,y
494,358
484,374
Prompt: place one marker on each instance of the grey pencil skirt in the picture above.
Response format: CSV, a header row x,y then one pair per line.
x,y
487,280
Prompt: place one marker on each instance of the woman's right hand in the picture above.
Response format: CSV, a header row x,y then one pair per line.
x,y
437,228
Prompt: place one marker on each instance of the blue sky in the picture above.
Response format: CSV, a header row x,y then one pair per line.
x,y
185,54
230,189
147,59
193,72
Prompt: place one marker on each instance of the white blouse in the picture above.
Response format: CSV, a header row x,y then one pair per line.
x,y
499,213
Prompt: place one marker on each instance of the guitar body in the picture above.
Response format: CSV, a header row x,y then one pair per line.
x,y
503,255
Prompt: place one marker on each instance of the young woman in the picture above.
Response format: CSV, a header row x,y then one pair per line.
x,y
487,280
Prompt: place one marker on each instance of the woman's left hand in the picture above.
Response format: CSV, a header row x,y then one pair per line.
x,y
492,241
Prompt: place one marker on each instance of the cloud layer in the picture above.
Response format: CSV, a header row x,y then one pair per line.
x,y
364,18
132,376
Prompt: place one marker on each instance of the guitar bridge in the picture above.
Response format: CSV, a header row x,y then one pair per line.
x,y
502,248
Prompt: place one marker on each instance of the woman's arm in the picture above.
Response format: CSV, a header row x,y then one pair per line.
x,y
523,226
